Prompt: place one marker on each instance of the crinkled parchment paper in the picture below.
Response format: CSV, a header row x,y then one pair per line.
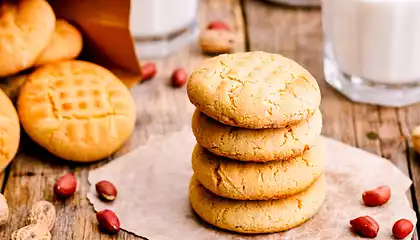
x,y
153,180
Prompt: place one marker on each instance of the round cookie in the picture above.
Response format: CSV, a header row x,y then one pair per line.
x,y
9,131
257,181
257,216
26,27
254,90
77,110
65,44
257,145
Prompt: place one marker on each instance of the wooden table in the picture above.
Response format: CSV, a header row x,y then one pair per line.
x,y
295,33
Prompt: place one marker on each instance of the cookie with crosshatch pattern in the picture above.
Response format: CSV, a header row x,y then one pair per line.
x,y
254,90
77,110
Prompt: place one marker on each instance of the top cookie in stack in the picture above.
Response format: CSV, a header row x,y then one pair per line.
x,y
257,125
255,90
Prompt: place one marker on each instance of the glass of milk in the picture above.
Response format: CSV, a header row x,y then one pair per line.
x,y
162,26
372,50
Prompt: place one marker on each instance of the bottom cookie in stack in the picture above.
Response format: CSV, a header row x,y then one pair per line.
x,y
257,216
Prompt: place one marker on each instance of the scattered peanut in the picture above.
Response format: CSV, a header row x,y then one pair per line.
x,y
4,210
365,226
377,197
179,77
65,186
108,221
415,138
402,228
216,41
32,232
42,211
106,190
218,25
148,71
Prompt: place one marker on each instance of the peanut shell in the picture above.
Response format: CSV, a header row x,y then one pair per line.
x,y
4,210
32,232
42,211
216,41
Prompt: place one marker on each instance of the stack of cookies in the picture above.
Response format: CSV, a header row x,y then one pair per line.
x,y
259,162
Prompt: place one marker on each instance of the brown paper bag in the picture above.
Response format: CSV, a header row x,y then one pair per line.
x,y
107,38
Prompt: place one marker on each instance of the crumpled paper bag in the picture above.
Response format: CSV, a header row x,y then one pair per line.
x,y
153,180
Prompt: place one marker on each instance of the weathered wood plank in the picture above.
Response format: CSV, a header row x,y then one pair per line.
x,y
296,33
160,109
409,118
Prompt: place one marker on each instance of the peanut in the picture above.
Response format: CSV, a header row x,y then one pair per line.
x,y
365,226
218,25
108,221
377,197
65,186
32,232
148,71
106,190
216,41
402,228
42,211
4,210
179,77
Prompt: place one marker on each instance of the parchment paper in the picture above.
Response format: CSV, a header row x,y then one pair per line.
x,y
153,180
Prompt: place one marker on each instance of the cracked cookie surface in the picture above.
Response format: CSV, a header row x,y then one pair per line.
x,y
254,90
257,145
26,27
257,181
77,110
257,216
9,131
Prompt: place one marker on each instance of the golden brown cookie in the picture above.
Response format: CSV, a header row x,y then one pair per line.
x,y
257,145
77,110
257,181
254,90
65,44
257,216
26,27
9,131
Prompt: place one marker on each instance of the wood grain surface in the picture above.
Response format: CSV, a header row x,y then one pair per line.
x,y
293,32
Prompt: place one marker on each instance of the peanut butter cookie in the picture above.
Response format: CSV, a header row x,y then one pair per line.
x,y
257,145
257,181
254,90
26,27
65,44
77,110
9,131
257,216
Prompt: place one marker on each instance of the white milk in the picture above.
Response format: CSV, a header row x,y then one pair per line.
x,y
376,40
161,17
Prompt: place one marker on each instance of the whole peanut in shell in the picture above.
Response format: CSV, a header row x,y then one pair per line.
x,y
4,210
42,211
32,232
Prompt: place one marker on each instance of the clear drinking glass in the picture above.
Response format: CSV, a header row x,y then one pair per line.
x,y
162,26
372,50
